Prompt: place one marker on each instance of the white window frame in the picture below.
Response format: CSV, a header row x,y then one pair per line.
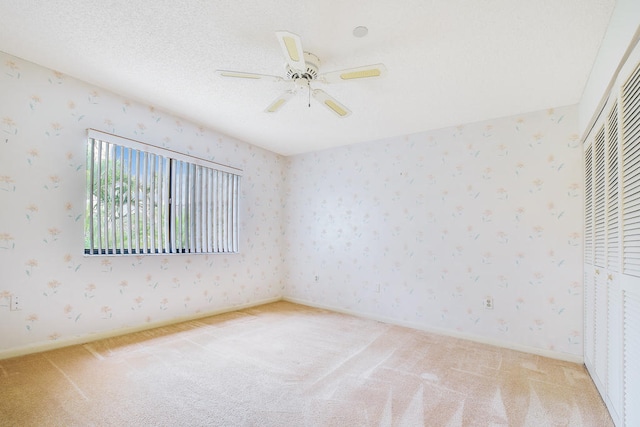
x,y
143,200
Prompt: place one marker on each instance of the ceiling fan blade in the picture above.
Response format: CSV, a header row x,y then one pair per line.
x,y
365,72
275,106
243,75
292,48
329,102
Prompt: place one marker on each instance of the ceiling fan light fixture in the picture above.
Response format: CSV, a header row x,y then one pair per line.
x,y
361,74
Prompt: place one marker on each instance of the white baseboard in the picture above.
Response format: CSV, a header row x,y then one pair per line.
x,y
86,338
83,339
448,332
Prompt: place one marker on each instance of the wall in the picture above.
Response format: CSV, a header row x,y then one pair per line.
x,y
66,296
417,230
623,25
437,221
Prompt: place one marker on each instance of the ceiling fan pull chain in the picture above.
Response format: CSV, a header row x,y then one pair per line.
x,y
309,87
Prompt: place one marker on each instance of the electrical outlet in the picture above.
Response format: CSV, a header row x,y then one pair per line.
x,y
487,303
317,278
14,304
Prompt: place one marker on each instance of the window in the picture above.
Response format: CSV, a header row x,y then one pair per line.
x,y
142,199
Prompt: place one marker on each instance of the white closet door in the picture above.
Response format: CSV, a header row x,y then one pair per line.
x,y
588,205
599,202
601,305
589,283
631,337
614,388
589,319
615,373
630,173
599,258
613,189
612,247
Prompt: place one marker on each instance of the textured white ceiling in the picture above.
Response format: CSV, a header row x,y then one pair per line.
x,y
449,61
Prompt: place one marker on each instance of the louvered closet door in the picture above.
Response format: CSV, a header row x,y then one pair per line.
x,y
614,376
599,242
600,361
631,333
630,172
588,205
613,189
589,284
601,305
603,341
612,247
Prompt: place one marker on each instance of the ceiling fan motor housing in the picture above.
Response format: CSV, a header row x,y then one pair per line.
x,y
312,63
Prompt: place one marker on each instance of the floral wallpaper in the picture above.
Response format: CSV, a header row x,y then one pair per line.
x,y
63,294
421,229
416,230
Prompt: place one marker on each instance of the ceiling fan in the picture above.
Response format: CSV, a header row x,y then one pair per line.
x,y
302,70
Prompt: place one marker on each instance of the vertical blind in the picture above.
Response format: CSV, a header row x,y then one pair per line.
x,y
143,199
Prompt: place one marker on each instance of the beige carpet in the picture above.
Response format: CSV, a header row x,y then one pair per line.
x,y
283,364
